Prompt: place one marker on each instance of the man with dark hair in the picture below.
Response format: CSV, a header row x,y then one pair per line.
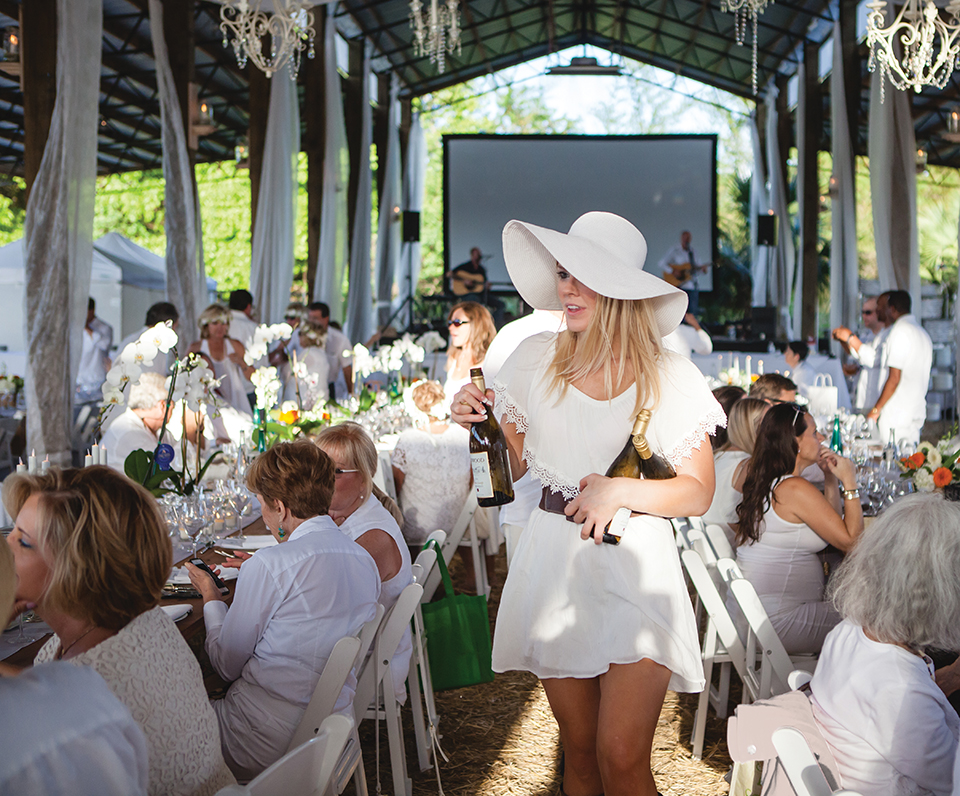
x,y
774,389
160,312
338,348
97,339
908,356
864,349
242,323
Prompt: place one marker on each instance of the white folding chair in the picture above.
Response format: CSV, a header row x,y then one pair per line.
x,y
453,539
719,541
802,769
307,770
721,644
375,684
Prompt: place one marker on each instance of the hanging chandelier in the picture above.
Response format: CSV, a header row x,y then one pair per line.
x,y
290,28
439,33
744,10
927,43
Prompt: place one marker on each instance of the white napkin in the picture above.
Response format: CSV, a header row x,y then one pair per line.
x,y
249,543
178,611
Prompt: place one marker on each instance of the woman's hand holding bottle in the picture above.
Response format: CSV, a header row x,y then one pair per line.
x,y
470,405
599,499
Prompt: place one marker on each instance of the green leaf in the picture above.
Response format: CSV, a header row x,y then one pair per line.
x,y
137,466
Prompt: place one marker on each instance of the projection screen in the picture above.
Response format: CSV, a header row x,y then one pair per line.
x,y
664,184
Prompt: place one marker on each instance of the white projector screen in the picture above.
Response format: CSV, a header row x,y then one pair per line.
x,y
664,184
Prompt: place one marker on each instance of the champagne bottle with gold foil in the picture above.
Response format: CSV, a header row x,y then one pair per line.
x,y
637,460
489,456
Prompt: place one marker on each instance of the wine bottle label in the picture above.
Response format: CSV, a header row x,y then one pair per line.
x,y
482,482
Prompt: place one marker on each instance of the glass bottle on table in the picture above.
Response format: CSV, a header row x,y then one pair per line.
x,y
836,440
489,456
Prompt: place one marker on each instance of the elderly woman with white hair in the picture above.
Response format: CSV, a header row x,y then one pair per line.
x,y
874,696
138,428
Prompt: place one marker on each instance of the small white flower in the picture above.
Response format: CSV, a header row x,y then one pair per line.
x,y
112,396
162,337
431,341
923,480
933,458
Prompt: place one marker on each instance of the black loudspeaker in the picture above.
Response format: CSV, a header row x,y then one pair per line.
x,y
411,226
763,321
766,230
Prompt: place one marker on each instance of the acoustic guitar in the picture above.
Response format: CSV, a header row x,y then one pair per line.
x,y
462,284
682,272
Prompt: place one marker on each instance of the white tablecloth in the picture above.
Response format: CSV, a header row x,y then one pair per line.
x,y
712,364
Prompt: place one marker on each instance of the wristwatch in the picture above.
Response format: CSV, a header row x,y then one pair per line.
x,y
851,494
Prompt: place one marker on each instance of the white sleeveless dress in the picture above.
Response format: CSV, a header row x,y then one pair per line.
x,y
571,608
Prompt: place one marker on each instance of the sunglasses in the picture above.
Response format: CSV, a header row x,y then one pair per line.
x,y
338,471
457,322
868,312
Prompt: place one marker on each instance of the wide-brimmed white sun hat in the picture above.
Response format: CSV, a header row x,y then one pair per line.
x,y
602,250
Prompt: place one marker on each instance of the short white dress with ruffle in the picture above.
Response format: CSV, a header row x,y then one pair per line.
x,y
570,608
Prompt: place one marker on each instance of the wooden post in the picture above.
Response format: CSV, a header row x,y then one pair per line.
x,y
353,121
381,125
850,52
38,54
259,96
809,183
178,32
406,122
784,128
314,109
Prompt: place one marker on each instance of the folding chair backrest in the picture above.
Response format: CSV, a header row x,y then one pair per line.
x,y
332,679
368,633
700,543
802,769
426,561
762,641
719,541
307,770
451,542
681,527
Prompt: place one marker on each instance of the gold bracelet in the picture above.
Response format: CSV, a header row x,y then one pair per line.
x,y
851,494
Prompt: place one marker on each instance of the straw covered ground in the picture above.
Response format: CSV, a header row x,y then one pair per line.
x,y
501,740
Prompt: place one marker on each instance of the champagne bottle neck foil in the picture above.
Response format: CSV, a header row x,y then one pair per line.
x,y
476,376
639,434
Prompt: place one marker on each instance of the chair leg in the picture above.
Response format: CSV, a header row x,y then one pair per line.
x,y
724,697
402,784
416,707
703,703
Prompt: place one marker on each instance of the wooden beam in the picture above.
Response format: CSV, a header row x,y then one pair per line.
x,y
406,121
38,55
178,31
381,125
850,53
808,181
314,104
353,119
784,128
259,85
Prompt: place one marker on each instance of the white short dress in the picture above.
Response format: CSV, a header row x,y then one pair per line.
x,y
570,608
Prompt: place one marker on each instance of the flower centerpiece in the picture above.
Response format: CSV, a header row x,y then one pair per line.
x,y
935,466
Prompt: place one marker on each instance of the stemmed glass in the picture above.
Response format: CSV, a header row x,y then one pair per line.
x,y
192,516
21,638
239,498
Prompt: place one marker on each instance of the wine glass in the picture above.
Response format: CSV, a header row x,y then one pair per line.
x,y
192,516
239,498
21,638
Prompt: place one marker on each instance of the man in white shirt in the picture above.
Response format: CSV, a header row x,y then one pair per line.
x,y
160,312
138,428
908,356
514,516
94,355
679,267
689,338
242,323
865,349
338,347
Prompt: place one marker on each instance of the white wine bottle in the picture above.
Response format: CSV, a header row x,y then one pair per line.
x,y
489,456
637,460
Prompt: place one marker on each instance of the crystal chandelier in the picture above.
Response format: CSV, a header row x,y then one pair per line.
x,y
743,10
439,34
928,43
290,28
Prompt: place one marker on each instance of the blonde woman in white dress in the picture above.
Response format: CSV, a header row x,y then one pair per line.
x,y
606,628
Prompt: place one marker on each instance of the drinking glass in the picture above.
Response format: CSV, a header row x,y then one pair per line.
x,y
239,498
21,638
192,516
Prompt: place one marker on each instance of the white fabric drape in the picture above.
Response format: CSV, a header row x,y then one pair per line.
x,y
759,205
271,269
182,220
802,155
360,324
893,190
332,257
783,256
414,183
389,238
59,233
844,262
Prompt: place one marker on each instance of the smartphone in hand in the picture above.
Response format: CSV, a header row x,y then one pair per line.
x,y
199,563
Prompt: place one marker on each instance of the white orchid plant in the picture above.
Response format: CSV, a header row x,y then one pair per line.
x,y
191,383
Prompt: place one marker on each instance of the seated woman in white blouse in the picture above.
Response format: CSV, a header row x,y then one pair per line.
x,y
92,554
293,602
784,521
874,696
730,462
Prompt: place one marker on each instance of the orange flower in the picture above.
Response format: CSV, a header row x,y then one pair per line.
x,y
907,463
289,417
918,459
941,477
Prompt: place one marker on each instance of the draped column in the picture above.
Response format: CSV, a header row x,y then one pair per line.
x,y
332,257
360,324
58,232
388,234
759,205
271,269
844,262
414,184
783,256
182,219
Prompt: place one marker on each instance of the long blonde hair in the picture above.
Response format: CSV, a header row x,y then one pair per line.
x,y
622,329
482,332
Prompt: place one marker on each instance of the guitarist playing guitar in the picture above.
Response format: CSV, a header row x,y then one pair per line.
x,y
680,269
469,278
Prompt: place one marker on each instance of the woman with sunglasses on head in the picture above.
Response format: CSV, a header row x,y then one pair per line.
x,y
471,332
606,628
784,521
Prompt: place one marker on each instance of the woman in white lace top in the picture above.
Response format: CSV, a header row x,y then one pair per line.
x,y
606,628
92,553
431,467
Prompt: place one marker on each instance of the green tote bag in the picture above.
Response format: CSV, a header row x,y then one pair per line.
x,y
458,636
